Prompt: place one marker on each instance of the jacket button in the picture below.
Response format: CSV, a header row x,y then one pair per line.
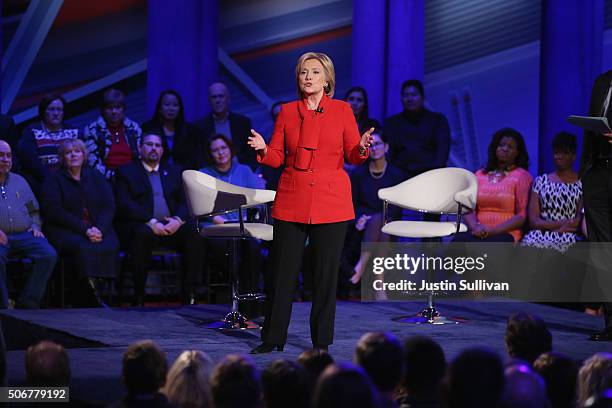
x,y
311,184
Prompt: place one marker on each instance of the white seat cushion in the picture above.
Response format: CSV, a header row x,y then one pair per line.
x,y
255,230
421,229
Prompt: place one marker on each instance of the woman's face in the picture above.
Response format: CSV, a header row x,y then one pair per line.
x,y
312,77
357,102
169,108
74,157
54,114
114,114
378,148
220,152
564,159
507,151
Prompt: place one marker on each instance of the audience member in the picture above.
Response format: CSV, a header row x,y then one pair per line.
x,y
285,384
357,97
527,337
112,139
37,148
151,211
47,365
555,205
419,139
144,373
181,140
315,361
21,235
594,377
235,383
380,355
524,388
231,124
345,386
475,379
188,381
424,369
365,183
503,191
79,207
560,373
221,152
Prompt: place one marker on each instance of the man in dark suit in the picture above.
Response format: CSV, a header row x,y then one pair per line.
x,y
151,212
230,124
596,170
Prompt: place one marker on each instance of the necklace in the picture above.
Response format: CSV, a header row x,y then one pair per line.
x,y
380,174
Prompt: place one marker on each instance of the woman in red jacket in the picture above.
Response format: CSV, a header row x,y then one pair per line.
x,y
312,137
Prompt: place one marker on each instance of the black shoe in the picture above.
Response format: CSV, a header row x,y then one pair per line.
x,y
266,348
321,348
605,335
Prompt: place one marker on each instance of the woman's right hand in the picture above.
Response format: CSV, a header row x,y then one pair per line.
x,y
256,141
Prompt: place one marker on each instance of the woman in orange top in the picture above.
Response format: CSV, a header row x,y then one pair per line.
x,y
312,137
503,191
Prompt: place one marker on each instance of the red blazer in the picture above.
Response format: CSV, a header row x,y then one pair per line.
x,y
322,193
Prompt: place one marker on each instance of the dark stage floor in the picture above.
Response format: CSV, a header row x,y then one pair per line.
x,y
98,337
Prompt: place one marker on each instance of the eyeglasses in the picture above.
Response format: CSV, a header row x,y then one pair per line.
x,y
220,149
376,145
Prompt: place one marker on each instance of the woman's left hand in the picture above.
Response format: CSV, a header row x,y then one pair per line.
x,y
366,139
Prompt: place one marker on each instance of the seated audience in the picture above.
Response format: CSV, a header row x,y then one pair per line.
x,y
365,183
21,235
524,388
112,139
503,192
235,383
555,205
527,337
47,365
144,373
285,384
315,361
594,377
423,372
358,99
475,379
380,355
345,385
37,148
231,124
560,373
181,140
79,208
188,381
151,212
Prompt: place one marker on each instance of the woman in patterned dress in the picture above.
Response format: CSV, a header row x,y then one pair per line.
x,y
555,205
503,192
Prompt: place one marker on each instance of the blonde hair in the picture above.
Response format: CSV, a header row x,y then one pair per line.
x,y
593,376
187,383
67,144
328,68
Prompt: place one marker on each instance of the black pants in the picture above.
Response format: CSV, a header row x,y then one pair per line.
x,y
141,242
326,241
597,193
